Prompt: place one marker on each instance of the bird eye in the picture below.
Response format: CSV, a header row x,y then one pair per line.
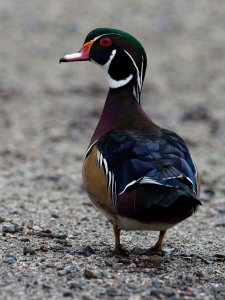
x,y
105,42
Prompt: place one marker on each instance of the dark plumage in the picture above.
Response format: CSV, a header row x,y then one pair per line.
x,y
139,175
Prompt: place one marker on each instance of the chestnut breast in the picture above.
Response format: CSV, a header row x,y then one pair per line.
x,y
96,185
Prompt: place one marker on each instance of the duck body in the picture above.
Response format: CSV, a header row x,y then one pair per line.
x,y
139,175
138,165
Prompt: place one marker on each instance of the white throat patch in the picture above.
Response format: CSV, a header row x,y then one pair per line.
x,y
112,82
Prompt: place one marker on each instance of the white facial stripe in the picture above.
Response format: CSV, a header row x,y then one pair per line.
x,y
112,82
115,84
73,55
138,73
142,70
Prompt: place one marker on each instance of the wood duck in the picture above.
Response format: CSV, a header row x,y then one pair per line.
x,y
139,175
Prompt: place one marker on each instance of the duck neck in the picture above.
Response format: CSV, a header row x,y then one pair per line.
x,y
121,110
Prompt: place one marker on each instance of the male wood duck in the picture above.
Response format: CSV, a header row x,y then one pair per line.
x,y
139,175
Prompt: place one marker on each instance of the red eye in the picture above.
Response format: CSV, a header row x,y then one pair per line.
x,y
105,42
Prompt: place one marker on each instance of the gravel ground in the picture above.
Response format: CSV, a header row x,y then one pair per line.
x,y
54,244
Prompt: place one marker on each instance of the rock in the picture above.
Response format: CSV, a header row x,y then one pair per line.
x,y
157,259
135,297
112,292
162,291
110,262
49,234
14,211
221,289
174,297
9,259
18,228
36,228
54,215
87,297
59,235
75,285
89,274
84,250
56,248
67,293
206,194
29,250
69,268
159,292
219,256
196,113
50,265
24,239
9,228
2,219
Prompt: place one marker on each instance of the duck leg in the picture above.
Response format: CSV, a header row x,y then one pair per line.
x,y
157,248
118,248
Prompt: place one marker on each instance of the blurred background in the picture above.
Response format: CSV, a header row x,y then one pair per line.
x,y
48,113
41,101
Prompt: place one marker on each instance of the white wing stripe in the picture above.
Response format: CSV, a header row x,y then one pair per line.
x,y
129,184
110,176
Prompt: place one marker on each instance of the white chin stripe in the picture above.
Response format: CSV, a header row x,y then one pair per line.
x,y
118,83
112,82
106,65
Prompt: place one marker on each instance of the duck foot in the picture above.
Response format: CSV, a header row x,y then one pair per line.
x,y
119,251
157,248
148,252
155,251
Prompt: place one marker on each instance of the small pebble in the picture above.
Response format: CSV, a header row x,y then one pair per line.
x,y
56,248
84,250
50,265
157,292
157,259
174,297
8,228
24,239
206,194
111,292
89,274
69,268
221,288
75,285
67,294
29,250
87,297
109,262
54,215
36,228
14,211
2,219
9,259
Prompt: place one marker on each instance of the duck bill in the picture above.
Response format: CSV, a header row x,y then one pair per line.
x,y
83,54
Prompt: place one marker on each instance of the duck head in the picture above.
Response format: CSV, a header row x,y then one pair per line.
x,y
119,53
